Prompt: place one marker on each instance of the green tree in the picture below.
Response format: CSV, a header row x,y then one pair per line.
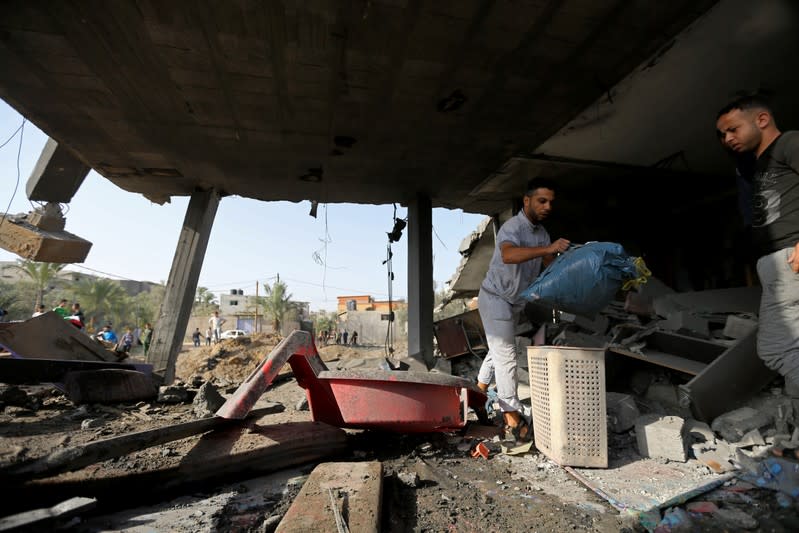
x,y
100,299
204,301
14,301
325,320
147,304
41,275
277,304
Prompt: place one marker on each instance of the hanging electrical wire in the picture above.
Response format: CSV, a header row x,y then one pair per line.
x,y
393,236
21,131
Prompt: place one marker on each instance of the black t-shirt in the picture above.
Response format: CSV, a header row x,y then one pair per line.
x,y
775,198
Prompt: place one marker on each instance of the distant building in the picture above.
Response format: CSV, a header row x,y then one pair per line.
x,y
11,274
239,310
366,303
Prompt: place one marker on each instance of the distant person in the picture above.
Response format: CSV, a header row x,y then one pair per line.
x,y
208,337
216,322
146,337
40,310
354,338
76,317
196,337
126,343
338,338
61,309
107,334
344,337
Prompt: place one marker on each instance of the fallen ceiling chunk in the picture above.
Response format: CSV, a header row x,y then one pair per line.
x,y
18,235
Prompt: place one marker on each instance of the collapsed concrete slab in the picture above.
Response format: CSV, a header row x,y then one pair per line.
x,y
18,235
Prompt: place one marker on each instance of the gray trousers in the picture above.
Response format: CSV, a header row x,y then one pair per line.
x,y
499,322
778,323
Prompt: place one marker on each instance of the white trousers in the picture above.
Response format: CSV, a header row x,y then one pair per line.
x,y
778,323
499,322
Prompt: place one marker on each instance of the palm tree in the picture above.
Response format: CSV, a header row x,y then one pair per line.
x,y
277,303
40,275
204,301
99,297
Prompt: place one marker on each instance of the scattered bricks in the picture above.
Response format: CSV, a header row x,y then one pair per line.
x,y
622,412
108,386
738,327
733,425
661,437
687,323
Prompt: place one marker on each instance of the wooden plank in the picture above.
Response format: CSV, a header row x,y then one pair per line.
x,y
674,362
79,457
218,457
32,371
357,491
41,517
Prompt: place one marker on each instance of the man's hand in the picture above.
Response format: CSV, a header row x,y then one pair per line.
x,y
793,259
560,245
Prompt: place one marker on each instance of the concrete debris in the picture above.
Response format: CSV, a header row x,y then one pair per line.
x,y
735,519
661,437
699,431
173,394
675,520
13,395
752,438
717,457
622,412
686,323
733,425
665,396
207,401
739,326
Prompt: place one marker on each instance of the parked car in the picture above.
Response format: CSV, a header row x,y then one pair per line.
x,y
233,333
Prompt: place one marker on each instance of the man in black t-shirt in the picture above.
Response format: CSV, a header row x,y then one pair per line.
x,y
747,125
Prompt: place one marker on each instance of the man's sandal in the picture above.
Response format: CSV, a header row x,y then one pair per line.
x,y
522,432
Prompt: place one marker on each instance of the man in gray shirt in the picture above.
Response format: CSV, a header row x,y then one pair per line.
x,y
522,247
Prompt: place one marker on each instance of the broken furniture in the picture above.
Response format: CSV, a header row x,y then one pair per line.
x,y
461,334
376,399
723,376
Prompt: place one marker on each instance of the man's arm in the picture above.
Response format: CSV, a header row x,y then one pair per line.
x,y
512,254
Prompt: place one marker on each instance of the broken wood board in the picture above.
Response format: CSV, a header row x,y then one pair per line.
x,y
336,492
29,242
41,518
31,371
641,485
240,451
49,336
71,459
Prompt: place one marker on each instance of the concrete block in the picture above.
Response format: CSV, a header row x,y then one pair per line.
x,y
357,494
737,327
27,241
686,323
622,412
733,425
661,437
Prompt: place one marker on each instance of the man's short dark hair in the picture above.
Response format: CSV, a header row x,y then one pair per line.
x,y
539,183
745,100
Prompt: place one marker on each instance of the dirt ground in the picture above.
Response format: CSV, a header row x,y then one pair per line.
x,y
431,482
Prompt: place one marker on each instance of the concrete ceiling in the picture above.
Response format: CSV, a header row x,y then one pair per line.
x,y
366,101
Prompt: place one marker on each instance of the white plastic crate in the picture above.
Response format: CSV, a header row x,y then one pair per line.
x,y
567,387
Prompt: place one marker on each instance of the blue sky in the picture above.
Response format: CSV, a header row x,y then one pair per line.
x,y
251,240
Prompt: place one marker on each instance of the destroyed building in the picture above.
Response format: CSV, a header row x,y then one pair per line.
x,y
445,104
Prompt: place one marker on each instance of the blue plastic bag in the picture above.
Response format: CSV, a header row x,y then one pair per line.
x,y
585,279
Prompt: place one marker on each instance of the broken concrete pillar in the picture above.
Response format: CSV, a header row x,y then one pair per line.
x,y
173,317
420,279
661,437
57,175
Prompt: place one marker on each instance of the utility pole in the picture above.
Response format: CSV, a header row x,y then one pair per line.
x,y
255,326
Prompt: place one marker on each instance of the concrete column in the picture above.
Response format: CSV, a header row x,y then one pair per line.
x,y
420,279
57,175
173,316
